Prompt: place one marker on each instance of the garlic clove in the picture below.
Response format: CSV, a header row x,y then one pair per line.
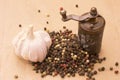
x,y
16,39
24,50
19,47
45,36
35,48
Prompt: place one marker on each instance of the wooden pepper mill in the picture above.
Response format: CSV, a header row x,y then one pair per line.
x,y
90,29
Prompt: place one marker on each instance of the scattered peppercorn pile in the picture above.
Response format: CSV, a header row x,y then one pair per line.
x,y
65,57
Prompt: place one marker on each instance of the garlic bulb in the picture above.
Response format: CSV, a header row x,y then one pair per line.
x,y
31,45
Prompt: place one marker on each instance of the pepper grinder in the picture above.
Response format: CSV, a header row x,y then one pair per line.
x,y
90,29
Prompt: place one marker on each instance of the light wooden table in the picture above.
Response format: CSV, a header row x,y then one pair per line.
x,y
25,12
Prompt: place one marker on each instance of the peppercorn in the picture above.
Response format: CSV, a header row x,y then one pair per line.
x,y
68,74
48,15
39,11
47,22
116,72
93,78
95,72
16,76
45,28
103,69
104,58
116,64
111,68
37,71
87,79
89,75
99,69
61,8
76,5
20,25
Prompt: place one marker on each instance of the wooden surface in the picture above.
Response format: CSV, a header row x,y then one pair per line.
x,y
25,12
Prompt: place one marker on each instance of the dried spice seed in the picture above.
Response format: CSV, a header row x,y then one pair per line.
x,y
61,8
116,72
103,69
95,72
100,60
104,58
68,75
48,15
37,71
39,11
47,22
20,25
64,27
16,76
111,68
76,5
99,69
116,64
89,74
93,78
87,79
45,28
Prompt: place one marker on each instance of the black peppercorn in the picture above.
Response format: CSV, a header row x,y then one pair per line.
x,y
93,78
64,27
45,28
116,64
95,72
111,68
103,69
47,22
20,25
104,58
37,71
99,69
76,5
16,76
39,11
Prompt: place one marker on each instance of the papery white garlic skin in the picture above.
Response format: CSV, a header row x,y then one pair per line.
x,y
31,45
45,36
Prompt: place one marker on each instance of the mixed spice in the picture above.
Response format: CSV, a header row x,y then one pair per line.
x,y
66,58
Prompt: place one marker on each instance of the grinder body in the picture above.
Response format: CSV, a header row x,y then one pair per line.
x,y
90,29
90,35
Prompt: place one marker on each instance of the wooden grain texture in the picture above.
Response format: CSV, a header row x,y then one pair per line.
x,y
25,12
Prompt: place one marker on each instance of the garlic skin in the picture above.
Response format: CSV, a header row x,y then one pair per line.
x,y
45,36
32,46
